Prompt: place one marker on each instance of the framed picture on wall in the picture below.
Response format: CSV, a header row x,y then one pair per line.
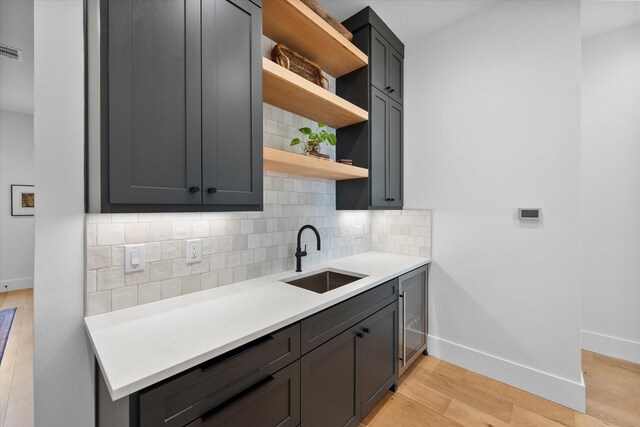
x,y
22,200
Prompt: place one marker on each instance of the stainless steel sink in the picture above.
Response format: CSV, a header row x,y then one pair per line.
x,y
323,281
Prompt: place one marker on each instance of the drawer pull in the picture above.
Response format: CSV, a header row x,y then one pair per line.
x,y
204,367
224,405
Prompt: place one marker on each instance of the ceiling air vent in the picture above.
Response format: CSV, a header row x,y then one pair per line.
x,y
11,52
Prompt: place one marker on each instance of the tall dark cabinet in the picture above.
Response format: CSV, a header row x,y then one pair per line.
x,y
378,143
181,106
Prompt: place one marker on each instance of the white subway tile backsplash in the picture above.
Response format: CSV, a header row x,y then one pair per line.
x,y
209,280
160,271
137,232
149,292
98,257
172,249
124,297
182,230
110,278
159,231
110,234
171,288
180,267
191,284
238,246
98,303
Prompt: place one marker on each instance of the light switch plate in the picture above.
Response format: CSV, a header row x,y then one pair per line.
x,y
194,251
359,231
133,258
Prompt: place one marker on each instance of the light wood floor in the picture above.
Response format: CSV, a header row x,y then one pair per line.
x,y
16,369
431,393
437,393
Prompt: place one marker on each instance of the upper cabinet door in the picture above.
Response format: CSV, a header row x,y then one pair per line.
x,y
394,150
395,90
231,102
154,102
379,128
378,62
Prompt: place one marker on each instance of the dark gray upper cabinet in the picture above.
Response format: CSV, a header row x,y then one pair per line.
x,y
378,143
395,155
386,66
378,61
378,116
181,106
396,72
154,102
231,102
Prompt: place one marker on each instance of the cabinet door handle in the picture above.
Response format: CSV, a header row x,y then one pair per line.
x,y
392,90
366,330
359,334
387,88
194,189
224,405
212,190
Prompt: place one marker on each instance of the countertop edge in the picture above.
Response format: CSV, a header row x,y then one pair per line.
x,y
125,390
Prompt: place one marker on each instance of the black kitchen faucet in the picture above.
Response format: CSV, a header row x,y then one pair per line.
x,y
299,252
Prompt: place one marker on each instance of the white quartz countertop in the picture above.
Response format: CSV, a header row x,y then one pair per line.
x,y
140,346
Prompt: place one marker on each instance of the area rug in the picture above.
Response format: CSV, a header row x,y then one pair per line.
x,y
6,320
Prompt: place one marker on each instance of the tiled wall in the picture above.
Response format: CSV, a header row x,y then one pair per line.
x,y
235,246
406,232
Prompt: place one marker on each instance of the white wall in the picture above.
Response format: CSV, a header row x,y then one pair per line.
x,y
63,360
492,124
16,232
610,196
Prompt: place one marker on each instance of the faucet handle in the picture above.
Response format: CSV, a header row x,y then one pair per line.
x,y
304,253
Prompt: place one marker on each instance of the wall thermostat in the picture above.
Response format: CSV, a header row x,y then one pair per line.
x,y
529,213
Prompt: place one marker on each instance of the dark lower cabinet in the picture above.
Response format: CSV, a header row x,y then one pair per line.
x,y
343,379
330,383
272,402
378,355
329,370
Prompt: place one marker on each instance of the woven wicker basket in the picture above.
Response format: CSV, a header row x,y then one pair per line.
x,y
298,64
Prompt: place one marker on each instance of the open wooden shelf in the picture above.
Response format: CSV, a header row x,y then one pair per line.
x,y
298,164
292,22
291,92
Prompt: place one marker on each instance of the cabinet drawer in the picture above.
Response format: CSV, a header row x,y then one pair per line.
x,y
325,325
273,401
185,397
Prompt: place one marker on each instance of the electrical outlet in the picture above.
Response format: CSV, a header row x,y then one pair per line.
x,y
359,231
194,251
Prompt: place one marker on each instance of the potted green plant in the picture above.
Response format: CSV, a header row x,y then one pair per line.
x,y
311,140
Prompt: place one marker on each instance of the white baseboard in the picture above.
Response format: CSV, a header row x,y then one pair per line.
x,y
560,390
608,345
15,284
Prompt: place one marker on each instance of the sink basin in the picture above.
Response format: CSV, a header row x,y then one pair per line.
x,y
323,281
